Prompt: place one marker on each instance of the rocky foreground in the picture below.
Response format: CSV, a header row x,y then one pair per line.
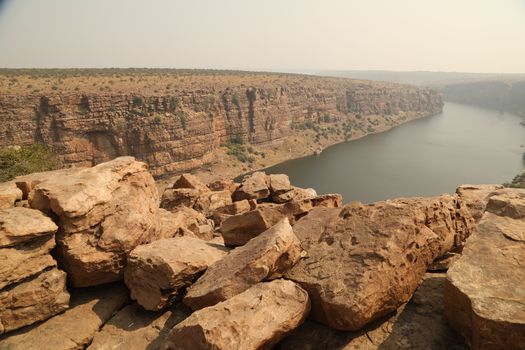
x,y
93,258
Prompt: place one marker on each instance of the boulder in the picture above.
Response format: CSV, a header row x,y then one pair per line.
x,y
254,186
258,318
418,325
476,197
74,329
189,181
223,184
235,208
133,328
20,225
203,200
103,213
364,261
294,194
185,222
266,256
239,229
279,184
9,194
174,198
36,299
158,270
484,292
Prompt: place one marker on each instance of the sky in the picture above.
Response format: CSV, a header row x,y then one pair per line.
x,y
405,35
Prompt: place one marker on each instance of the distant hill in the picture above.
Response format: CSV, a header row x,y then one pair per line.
x,y
434,79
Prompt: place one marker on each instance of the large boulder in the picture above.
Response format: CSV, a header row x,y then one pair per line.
x,y
476,197
254,186
203,200
36,299
73,329
156,271
103,213
418,325
364,261
268,255
485,288
9,194
133,328
239,229
258,318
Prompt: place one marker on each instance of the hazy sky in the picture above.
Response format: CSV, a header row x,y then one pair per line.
x,y
445,35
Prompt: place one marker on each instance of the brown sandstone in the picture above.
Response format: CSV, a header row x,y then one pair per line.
x,y
239,229
269,254
9,194
254,186
133,328
484,293
74,329
476,197
157,271
254,319
36,299
364,261
103,213
185,222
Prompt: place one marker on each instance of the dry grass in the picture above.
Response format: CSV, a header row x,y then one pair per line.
x,y
152,81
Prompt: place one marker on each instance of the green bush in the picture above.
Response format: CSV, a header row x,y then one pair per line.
x,y
15,161
517,182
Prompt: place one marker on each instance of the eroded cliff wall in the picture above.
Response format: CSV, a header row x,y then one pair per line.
x,y
178,130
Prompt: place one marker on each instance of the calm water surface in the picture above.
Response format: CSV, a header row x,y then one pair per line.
x,y
428,156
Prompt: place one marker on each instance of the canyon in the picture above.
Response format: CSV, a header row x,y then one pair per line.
x,y
176,121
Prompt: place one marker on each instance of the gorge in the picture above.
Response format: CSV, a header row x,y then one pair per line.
x,y
177,121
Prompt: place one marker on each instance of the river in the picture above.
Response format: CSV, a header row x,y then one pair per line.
x,y
424,157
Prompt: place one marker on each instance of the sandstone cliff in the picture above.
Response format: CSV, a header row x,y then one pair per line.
x,y
177,128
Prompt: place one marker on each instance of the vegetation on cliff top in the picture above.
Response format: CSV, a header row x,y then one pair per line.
x,y
517,182
21,160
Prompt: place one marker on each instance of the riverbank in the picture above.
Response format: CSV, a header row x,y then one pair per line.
x,y
230,161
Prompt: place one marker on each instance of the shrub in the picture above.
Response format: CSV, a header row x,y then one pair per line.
x,y
137,101
15,161
517,182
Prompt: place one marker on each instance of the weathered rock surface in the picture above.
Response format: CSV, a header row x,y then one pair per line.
x,y
254,186
269,254
239,229
9,194
156,271
485,289
103,213
201,199
476,197
185,222
74,329
255,319
364,261
239,207
418,325
189,181
36,299
19,225
133,328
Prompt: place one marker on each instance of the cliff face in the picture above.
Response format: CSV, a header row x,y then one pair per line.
x,y
178,130
497,95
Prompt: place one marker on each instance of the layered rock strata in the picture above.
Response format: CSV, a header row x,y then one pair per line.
x,y
179,130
